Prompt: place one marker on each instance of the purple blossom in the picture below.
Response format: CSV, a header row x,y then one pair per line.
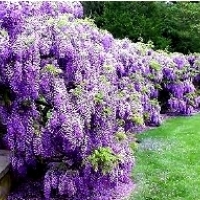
x,y
71,88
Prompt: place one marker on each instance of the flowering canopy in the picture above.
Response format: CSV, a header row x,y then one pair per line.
x,y
74,93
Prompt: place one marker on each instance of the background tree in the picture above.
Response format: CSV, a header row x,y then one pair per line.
x,y
173,25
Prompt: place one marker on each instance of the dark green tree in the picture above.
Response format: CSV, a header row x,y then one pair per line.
x,y
173,25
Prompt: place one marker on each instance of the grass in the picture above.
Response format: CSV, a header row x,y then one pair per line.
x,y
168,161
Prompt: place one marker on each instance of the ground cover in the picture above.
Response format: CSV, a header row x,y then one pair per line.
x,y
167,161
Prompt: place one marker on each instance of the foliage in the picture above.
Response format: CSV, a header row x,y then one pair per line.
x,y
103,159
55,94
67,88
120,136
173,26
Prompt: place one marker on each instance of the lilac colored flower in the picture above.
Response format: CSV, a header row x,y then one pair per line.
x,y
70,88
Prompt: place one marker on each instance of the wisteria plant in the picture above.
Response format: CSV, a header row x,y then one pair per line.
x,y
71,94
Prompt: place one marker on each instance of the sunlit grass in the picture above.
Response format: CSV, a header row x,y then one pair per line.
x,y
168,161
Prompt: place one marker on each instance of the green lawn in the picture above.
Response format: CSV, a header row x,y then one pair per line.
x,y
168,161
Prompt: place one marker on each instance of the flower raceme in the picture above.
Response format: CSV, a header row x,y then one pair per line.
x,y
74,94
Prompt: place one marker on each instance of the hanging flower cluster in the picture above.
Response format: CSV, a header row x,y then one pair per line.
x,y
71,93
59,102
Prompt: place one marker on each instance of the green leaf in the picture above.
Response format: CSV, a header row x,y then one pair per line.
x,y
137,119
107,111
52,69
103,159
155,65
120,136
77,91
98,98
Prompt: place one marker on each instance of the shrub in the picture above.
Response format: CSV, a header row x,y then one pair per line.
x,y
70,93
